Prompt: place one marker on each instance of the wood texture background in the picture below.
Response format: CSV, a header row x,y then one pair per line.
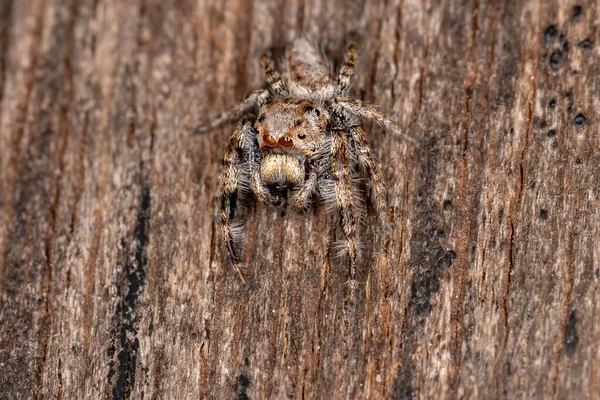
x,y
115,283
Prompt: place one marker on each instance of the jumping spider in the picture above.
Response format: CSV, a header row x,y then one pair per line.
x,y
306,142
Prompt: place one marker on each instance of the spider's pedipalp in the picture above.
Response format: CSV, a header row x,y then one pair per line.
x,y
259,189
345,200
228,189
275,81
253,100
302,198
347,70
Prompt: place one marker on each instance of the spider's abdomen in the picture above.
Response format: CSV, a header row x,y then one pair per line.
x,y
281,169
307,68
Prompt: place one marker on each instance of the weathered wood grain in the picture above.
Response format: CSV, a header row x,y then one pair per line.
x,y
114,279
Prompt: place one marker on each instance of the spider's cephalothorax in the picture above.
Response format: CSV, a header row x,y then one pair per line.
x,y
300,139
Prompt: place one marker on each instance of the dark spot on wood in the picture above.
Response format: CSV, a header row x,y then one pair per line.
x,y
550,34
577,11
425,280
579,121
135,275
585,44
403,385
422,290
543,125
242,385
551,134
447,205
561,38
543,214
243,382
444,259
556,60
571,338
569,98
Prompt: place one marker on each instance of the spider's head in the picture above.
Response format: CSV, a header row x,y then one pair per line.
x,y
292,126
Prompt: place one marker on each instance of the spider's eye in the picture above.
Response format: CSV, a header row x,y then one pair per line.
x,y
261,119
302,136
299,122
285,142
311,109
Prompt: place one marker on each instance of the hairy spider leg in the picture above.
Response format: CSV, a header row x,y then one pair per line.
x,y
356,107
229,182
340,168
253,100
275,81
347,70
365,160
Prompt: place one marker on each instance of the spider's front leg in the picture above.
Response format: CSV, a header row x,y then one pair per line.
x,y
345,105
229,182
253,100
347,70
340,167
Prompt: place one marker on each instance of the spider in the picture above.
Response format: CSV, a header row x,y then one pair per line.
x,y
300,139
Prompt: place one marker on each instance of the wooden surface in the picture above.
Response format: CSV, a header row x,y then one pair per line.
x,y
114,280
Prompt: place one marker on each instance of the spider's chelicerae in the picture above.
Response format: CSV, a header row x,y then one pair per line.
x,y
300,139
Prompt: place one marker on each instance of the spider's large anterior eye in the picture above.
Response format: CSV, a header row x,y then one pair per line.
x,y
311,109
261,119
285,142
302,136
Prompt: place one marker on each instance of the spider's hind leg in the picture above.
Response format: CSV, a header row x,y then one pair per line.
x,y
275,81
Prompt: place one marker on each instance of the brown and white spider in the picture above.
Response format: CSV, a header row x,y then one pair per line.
x,y
305,143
